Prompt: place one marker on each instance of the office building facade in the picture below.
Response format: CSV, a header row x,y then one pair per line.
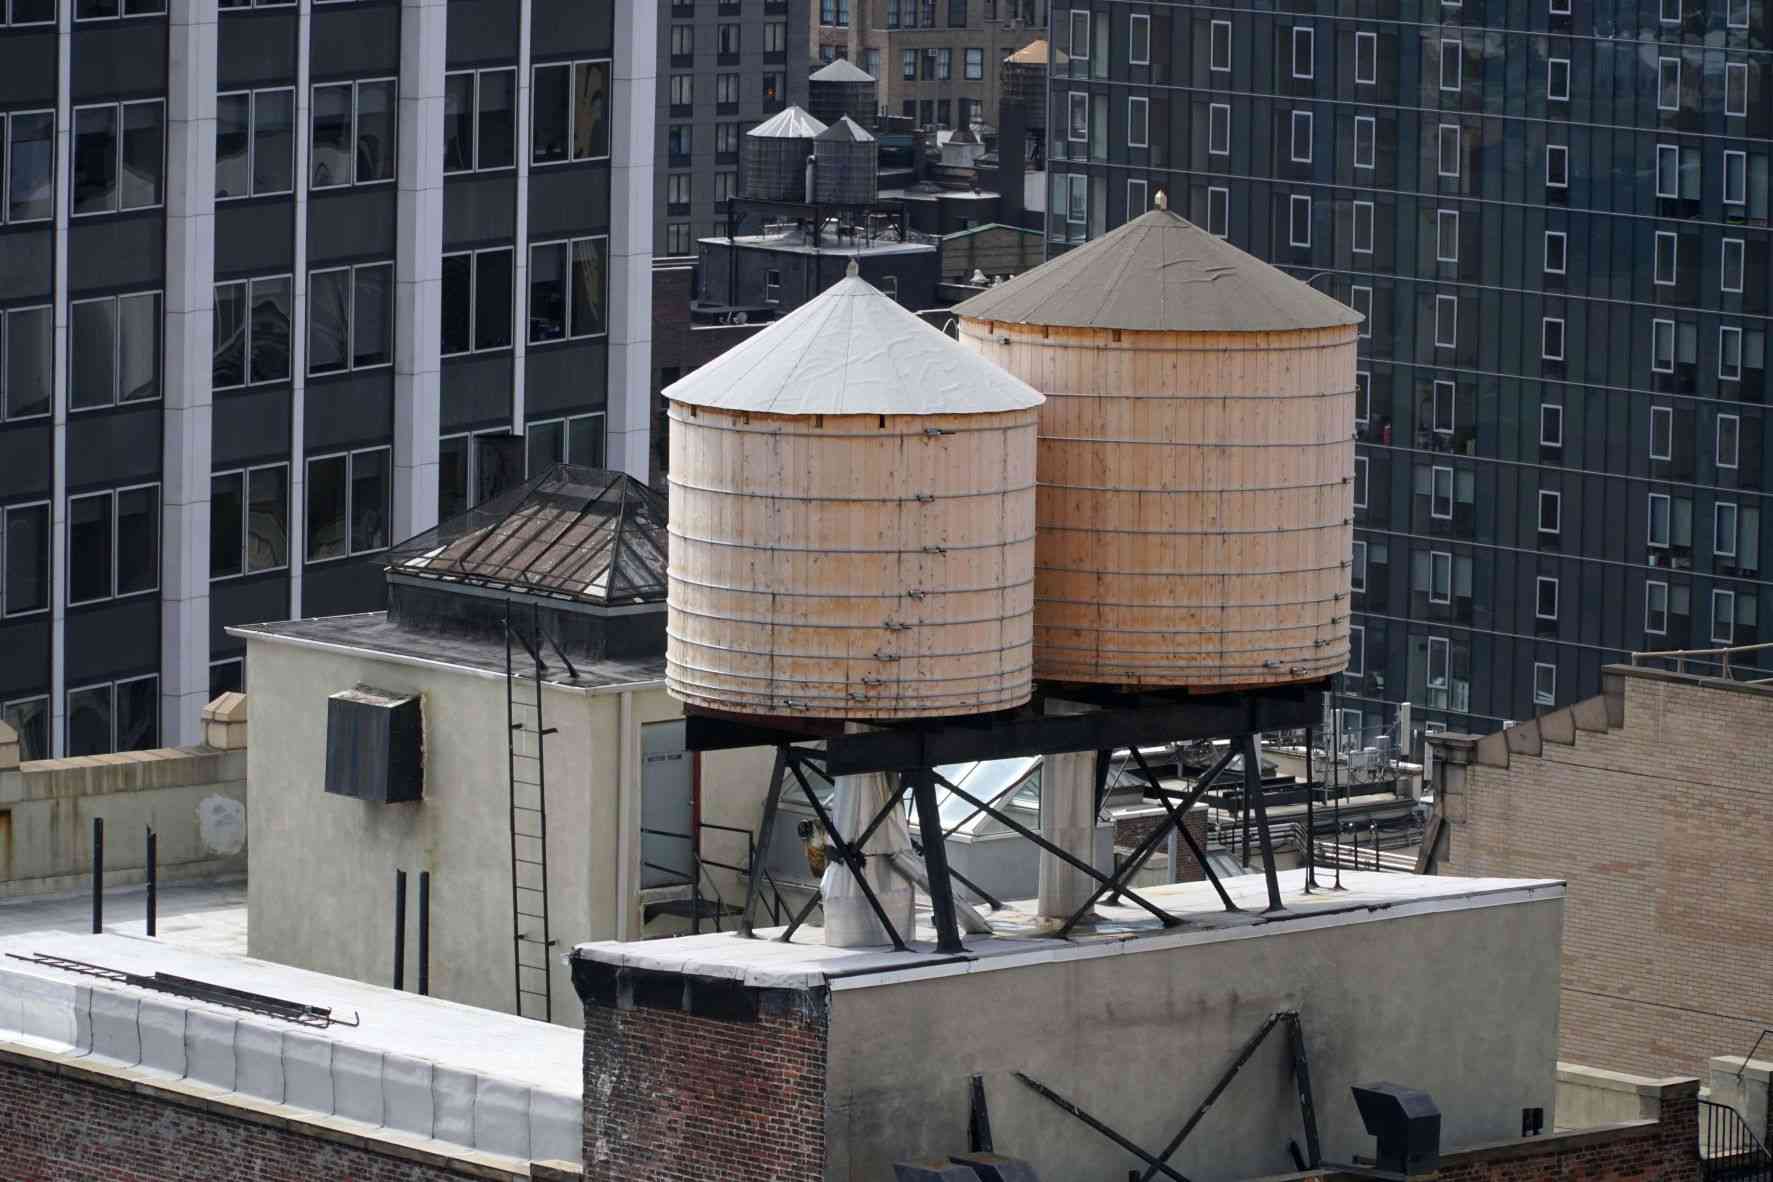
x,y
282,282
724,67
1554,217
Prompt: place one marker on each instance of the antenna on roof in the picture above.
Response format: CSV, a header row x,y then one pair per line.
x,y
852,270
1162,200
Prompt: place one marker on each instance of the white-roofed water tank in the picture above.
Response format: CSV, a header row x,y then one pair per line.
x,y
852,520
846,168
842,88
773,166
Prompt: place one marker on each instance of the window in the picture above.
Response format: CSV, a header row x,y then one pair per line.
x,y
352,133
1667,253
1357,651
1551,338
944,64
1360,298
1077,206
1438,662
1366,58
570,107
677,189
1668,84
1731,266
254,143
726,186
1446,235
1661,432
1551,426
113,350
1448,150
975,64
350,317
1364,141
1360,482
1736,88
1219,129
119,157
480,118
1558,7
120,716
1363,397
578,441
29,147
248,521
1656,608
1668,170
1139,40
1452,64
24,559
1446,399
1078,126
568,289
1736,13
1299,220
908,65
1301,147
27,362
1139,122
1363,227
1728,432
251,338
775,38
683,42
1545,598
113,544
29,717
1440,494
31,12
1446,321
683,96
348,503
1556,251
1557,166
1657,526
1671,12
1357,567
86,10
677,238
477,295
1735,178
1730,353
1138,200
1723,529
227,677
1220,58
1551,510
1662,346
1557,80
1723,617
1218,211
1545,684
726,139
1304,52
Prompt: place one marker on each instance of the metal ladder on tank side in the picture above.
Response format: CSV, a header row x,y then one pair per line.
x,y
531,942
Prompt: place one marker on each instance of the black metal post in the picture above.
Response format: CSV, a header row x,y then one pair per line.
x,y
935,861
424,933
1310,818
1253,789
762,852
400,929
1244,812
98,875
1336,776
153,880
1373,831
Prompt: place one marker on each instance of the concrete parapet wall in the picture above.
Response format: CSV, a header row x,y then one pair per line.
x,y
1589,1096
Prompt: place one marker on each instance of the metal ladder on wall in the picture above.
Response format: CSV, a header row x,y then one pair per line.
x,y
531,942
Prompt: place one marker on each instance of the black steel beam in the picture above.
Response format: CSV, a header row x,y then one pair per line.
x,y
1253,786
852,857
935,861
760,854
717,732
1153,1165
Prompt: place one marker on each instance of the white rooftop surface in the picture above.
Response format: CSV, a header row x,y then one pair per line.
x,y
1122,930
794,242
415,1066
853,351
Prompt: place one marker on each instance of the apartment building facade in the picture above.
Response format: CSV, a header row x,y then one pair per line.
x,y
282,282
1554,217
724,67
936,61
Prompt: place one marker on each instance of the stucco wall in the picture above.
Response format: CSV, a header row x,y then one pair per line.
x,y
1462,1003
194,798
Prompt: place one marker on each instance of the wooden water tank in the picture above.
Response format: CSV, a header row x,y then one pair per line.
x,y
1195,518
852,521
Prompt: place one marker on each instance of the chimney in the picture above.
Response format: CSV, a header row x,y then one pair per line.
x,y
1012,147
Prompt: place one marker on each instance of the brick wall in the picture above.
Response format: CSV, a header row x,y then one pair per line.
x,y
72,1123
1130,831
1666,1151
1660,825
671,1094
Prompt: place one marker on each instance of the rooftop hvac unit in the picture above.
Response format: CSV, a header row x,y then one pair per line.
x,y
375,746
1405,1122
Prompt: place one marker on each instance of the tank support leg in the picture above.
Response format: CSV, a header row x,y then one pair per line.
x,y
761,854
1255,796
935,860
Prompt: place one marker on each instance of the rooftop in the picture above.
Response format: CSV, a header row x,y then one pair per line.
x,y
1020,937
795,241
1159,273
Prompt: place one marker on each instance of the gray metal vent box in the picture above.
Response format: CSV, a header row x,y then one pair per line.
x,y
375,746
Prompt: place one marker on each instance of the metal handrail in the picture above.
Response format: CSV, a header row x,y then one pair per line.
x,y
1721,655
1728,1147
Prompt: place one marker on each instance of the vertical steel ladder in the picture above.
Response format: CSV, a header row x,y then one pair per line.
x,y
531,942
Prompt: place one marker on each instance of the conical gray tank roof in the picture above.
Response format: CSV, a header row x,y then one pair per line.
x,y
845,130
790,123
841,70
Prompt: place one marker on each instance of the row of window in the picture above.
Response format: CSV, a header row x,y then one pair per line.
x,y
474,467
1447,686
726,91
937,64
108,717
728,41
43,12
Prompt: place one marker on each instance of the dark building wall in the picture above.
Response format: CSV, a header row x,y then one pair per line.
x,y
803,276
1463,436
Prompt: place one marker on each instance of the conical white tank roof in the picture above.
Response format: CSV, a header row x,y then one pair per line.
x,y
853,351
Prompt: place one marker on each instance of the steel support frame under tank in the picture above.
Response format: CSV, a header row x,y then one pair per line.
x,y
1093,718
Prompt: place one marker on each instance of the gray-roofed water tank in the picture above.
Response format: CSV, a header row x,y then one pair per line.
x,y
848,164
773,165
843,88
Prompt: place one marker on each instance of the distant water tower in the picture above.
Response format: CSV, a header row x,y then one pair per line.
x,y
843,89
1196,459
847,164
775,156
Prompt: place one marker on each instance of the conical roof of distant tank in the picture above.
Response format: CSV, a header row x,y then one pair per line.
x,y
1038,53
842,70
845,130
1159,273
790,123
853,351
